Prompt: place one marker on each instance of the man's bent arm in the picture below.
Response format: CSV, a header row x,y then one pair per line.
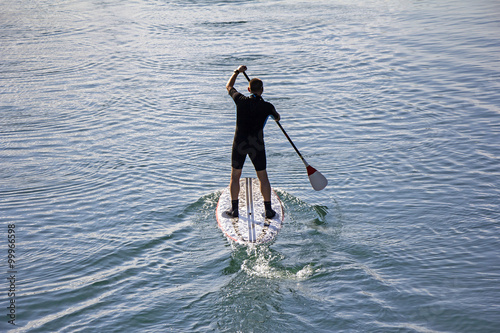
x,y
276,115
232,80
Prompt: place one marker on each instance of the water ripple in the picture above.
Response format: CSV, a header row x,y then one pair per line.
x,y
115,145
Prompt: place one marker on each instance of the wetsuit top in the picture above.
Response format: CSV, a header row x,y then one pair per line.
x,y
251,116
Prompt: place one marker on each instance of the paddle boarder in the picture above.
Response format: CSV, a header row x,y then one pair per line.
x,y
251,116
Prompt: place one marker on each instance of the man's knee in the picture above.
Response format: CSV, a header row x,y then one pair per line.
x,y
236,173
262,175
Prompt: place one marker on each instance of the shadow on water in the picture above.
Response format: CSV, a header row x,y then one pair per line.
x,y
316,219
306,227
251,286
304,224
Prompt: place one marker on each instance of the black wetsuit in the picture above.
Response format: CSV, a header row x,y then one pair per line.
x,y
251,116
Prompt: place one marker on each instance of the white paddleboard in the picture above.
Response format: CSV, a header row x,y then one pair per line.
x,y
251,227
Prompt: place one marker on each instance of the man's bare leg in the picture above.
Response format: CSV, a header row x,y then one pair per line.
x,y
265,186
234,184
265,189
234,187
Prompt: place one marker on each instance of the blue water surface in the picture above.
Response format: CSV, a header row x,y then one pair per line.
x,y
116,133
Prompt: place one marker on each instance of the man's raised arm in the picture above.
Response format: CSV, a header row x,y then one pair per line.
x,y
232,80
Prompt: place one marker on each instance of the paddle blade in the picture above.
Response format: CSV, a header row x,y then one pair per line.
x,y
318,181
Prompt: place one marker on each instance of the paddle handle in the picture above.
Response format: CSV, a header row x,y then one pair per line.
x,y
245,73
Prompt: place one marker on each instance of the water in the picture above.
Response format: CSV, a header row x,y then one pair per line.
x,y
116,132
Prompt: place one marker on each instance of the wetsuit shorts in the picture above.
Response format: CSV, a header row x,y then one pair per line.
x,y
251,146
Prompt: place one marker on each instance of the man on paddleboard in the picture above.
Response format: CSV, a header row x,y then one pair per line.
x,y
251,116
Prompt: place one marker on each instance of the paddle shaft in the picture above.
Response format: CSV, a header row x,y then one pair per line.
x,y
284,132
291,142
318,181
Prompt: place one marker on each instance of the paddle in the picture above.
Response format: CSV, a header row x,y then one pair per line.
x,y
318,181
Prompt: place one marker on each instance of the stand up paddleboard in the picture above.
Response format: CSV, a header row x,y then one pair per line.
x,y
251,227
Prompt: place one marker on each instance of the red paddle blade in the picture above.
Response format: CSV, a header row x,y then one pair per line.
x,y
318,181
310,170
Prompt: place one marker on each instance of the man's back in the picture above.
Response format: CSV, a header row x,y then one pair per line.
x,y
251,114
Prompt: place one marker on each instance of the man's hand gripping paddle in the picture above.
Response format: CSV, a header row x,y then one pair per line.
x,y
318,181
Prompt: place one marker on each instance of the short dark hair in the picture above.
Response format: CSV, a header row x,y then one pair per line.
x,y
255,85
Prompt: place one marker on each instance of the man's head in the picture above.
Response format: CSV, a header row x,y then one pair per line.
x,y
255,86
